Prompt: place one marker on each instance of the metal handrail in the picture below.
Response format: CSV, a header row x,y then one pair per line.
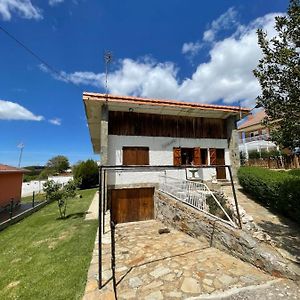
x,y
192,193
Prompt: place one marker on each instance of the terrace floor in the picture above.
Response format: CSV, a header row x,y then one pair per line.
x,y
173,265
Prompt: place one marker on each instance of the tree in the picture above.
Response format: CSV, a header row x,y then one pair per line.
x,y
278,73
58,163
86,173
55,192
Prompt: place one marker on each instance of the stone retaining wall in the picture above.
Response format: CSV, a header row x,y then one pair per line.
x,y
236,242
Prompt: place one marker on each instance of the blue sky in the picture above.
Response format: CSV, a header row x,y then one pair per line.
x,y
200,51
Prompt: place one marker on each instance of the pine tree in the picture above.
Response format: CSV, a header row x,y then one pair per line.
x,y
278,73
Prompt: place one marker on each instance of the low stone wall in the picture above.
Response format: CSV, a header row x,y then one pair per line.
x,y
236,242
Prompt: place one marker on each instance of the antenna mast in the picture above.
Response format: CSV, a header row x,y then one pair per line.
x,y
107,59
21,147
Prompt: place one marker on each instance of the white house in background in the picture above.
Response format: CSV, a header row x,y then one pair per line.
x,y
254,135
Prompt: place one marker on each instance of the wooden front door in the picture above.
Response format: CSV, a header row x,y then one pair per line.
x,y
130,205
221,172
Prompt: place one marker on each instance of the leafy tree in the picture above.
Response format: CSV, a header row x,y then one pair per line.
x,y
279,75
58,163
46,173
86,173
55,192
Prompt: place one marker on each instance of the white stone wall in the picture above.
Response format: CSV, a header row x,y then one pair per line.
x,y
32,186
37,185
160,153
61,179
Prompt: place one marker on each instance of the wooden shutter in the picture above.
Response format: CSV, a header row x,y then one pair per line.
x,y
213,156
135,156
142,156
197,156
129,156
176,156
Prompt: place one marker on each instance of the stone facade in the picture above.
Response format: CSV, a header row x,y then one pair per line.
x,y
233,145
236,242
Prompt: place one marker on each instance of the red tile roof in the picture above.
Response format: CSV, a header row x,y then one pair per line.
x,y
9,169
254,119
161,102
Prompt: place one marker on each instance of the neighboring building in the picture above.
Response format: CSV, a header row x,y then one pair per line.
x,y
254,135
10,185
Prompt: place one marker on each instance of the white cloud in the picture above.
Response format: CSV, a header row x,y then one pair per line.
x,y
14,111
191,48
225,21
85,78
228,20
55,2
226,76
24,8
55,121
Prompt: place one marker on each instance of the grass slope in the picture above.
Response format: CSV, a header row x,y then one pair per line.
x,y
43,257
38,198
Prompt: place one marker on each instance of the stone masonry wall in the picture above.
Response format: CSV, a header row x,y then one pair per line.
x,y
236,242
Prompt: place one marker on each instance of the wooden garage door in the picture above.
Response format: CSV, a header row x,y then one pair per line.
x,y
130,205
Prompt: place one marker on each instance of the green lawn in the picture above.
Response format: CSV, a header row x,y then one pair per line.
x,y
43,257
37,198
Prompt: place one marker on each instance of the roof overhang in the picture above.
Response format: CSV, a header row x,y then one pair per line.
x,y
93,104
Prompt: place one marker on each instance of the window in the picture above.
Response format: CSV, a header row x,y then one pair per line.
x,y
204,157
186,156
135,156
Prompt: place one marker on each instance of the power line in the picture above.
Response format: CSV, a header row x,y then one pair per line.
x,y
31,52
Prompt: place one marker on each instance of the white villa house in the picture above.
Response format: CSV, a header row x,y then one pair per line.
x,y
132,131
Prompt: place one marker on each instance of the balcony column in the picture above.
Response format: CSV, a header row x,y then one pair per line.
x,y
233,144
104,134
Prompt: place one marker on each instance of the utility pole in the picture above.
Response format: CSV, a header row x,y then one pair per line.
x,y
21,147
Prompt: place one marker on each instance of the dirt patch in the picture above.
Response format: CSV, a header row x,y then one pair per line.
x,y
13,284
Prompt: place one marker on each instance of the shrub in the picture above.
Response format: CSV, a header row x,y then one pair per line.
x,y
215,209
243,158
253,155
277,190
55,192
86,174
295,172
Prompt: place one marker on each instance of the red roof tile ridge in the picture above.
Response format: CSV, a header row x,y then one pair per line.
x,y
7,168
256,119
165,101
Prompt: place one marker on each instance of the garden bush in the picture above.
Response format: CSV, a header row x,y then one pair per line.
x,y
277,190
215,209
86,174
295,172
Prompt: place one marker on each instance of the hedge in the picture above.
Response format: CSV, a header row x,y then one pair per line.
x,y
277,190
295,172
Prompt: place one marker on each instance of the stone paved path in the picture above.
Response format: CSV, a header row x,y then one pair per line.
x,y
174,265
92,213
284,233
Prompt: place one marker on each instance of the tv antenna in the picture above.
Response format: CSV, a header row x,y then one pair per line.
x,y
21,147
107,60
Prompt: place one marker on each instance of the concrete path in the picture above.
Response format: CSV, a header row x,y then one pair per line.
x,y
174,265
93,211
284,233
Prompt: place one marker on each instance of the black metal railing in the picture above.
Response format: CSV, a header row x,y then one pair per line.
x,y
103,171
